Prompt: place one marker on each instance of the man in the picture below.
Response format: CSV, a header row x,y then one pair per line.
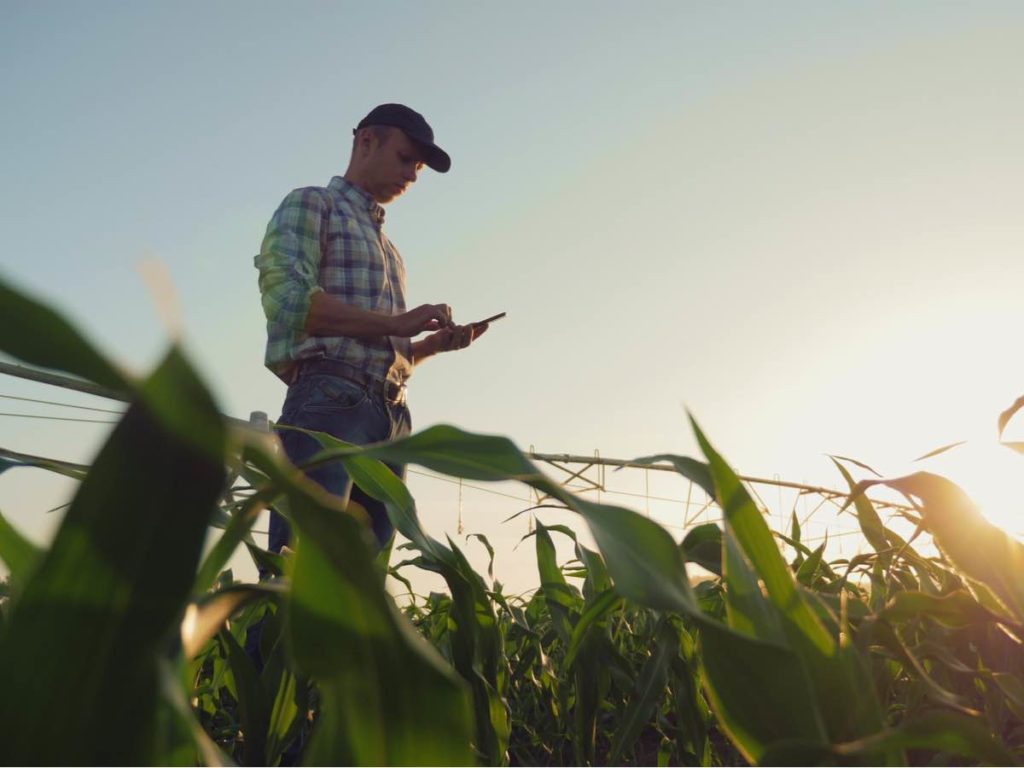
x,y
333,290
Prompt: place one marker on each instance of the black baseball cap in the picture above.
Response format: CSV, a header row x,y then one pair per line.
x,y
412,125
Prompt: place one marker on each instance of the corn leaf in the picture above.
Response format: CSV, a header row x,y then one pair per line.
x,y
947,732
235,533
11,460
18,553
703,545
1009,413
40,336
557,592
386,696
747,610
650,690
759,691
253,701
691,469
844,696
98,610
956,609
205,618
476,642
593,612
753,534
975,546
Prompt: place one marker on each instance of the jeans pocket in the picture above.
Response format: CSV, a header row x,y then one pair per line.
x,y
330,394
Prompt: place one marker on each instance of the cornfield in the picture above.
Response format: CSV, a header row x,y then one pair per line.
x,y
127,641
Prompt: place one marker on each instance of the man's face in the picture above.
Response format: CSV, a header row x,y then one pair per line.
x,y
392,165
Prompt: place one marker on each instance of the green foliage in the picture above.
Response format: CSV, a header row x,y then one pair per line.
x,y
92,617
120,643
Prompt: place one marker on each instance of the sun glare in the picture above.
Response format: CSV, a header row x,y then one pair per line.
x,y
991,474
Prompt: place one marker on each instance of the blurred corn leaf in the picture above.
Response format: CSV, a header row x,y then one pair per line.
x,y
11,460
182,740
955,609
204,618
253,701
947,732
235,533
100,608
703,545
16,552
36,334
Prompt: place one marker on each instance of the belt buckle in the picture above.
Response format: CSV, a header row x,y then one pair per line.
x,y
399,392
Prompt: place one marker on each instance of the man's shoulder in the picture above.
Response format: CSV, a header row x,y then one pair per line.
x,y
329,198
306,196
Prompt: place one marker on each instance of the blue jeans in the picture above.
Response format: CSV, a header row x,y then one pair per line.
x,y
344,409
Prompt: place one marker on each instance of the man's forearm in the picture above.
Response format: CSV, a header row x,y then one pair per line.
x,y
330,316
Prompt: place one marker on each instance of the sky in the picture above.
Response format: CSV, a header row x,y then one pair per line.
x,y
798,221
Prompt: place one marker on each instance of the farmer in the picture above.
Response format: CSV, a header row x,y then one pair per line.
x,y
333,290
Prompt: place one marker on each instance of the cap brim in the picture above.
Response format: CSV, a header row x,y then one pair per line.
x,y
433,155
436,158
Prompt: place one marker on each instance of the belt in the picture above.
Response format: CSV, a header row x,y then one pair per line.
x,y
390,391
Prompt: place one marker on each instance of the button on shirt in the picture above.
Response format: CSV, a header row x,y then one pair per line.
x,y
330,239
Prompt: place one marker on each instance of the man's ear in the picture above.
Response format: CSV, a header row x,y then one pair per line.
x,y
369,139
365,139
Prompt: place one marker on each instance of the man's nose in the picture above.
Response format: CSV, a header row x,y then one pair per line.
x,y
410,174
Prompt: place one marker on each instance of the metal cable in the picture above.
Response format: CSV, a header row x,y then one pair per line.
x,y
57,418
474,487
62,405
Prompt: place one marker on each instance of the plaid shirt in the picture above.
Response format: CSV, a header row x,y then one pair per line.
x,y
330,239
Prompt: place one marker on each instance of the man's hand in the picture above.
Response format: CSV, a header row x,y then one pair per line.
x,y
457,337
426,317
447,340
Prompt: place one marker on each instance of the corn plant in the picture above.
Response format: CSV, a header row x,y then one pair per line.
x,y
99,640
122,642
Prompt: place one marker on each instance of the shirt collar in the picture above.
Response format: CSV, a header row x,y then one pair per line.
x,y
359,197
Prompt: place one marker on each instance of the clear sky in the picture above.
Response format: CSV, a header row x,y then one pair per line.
x,y
800,220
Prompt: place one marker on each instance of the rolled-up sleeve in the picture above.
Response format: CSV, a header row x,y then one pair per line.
x,y
289,260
